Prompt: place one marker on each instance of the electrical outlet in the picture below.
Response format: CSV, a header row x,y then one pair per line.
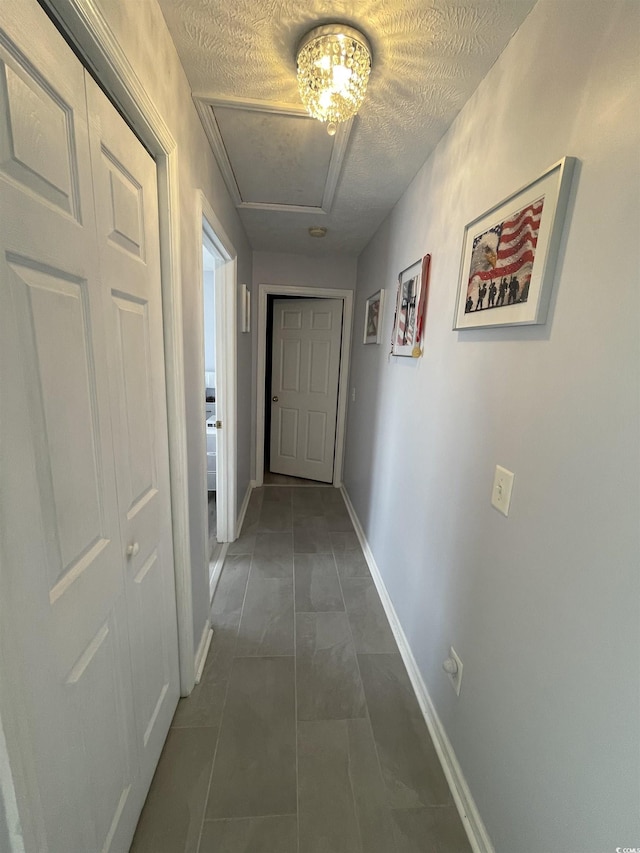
x,y
502,488
453,667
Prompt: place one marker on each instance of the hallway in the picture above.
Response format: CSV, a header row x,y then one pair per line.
x,y
304,734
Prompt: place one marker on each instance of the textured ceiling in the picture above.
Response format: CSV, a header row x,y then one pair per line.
x,y
428,58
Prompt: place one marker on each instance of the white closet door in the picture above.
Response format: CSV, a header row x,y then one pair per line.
x,y
307,334
88,670
129,260
65,692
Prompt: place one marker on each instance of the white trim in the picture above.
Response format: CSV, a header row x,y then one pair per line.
x,y
8,800
85,23
244,507
203,650
284,208
254,104
215,570
206,104
265,290
467,809
226,373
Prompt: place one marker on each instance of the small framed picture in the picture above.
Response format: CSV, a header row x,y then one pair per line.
x,y
509,254
373,318
411,302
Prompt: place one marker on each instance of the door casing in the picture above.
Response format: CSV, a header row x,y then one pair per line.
x,y
226,380
265,290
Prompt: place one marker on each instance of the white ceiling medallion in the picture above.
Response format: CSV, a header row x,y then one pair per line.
x,y
273,156
334,63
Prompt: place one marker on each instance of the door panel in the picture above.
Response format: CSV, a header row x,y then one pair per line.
x,y
314,450
138,482
129,254
290,354
307,336
147,632
54,308
97,706
34,113
319,366
287,433
125,217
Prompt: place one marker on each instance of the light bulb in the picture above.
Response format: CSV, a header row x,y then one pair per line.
x,y
341,77
325,99
331,128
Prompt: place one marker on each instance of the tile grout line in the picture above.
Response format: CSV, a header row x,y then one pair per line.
x,y
366,705
248,817
368,717
224,705
295,681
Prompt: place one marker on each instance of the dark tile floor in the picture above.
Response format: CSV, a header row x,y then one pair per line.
x,y
304,735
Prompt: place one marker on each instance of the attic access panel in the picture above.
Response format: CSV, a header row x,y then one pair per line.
x,y
274,157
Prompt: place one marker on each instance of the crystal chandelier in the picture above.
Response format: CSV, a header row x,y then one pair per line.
x,y
334,62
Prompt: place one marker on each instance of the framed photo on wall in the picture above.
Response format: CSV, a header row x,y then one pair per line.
x,y
373,318
509,254
411,303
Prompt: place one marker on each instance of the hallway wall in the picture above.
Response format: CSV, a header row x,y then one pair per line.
x,y
141,31
542,606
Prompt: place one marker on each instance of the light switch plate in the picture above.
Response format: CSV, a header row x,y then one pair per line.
x,y
502,487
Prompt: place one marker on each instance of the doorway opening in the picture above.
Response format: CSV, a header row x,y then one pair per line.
x,y
298,421
302,374
212,261
218,281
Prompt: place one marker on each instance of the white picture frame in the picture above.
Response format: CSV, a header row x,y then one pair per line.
x,y
407,338
373,309
509,254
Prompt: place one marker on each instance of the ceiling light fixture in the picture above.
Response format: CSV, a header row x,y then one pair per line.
x,y
317,231
334,63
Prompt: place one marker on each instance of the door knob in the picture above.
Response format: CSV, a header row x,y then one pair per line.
x,y
132,549
275,399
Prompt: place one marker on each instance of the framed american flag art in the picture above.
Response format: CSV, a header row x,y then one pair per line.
x,y
509,254
411,306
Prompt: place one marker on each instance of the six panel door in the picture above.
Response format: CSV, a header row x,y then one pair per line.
x,y
124,178
307,336
79,621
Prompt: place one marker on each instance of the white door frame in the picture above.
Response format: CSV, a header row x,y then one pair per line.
x,y
226,375
89,30
265,290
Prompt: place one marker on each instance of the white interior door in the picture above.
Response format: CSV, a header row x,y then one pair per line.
x,y
307,335
88,679
125,188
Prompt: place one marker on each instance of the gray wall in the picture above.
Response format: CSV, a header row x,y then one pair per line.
x,y
541,606
304,270
141,31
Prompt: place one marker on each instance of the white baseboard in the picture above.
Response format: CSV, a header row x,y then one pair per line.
x,y
243,508
203,650
214,577
469,814
222,553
